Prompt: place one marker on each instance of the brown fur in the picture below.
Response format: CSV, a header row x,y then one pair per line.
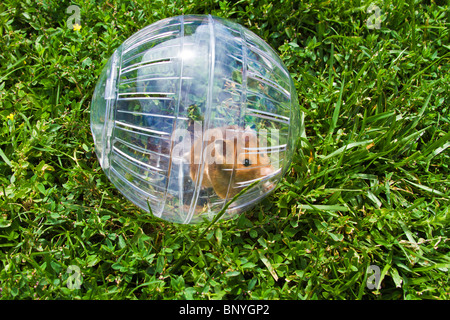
x,y
234,141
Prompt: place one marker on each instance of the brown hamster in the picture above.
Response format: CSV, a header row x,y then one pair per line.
x,y
225,149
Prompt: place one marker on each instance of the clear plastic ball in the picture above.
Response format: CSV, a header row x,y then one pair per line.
x,y
189,111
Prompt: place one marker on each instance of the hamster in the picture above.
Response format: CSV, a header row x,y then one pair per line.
x,y
225,149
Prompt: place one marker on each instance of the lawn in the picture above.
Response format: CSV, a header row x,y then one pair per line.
x,y
361,214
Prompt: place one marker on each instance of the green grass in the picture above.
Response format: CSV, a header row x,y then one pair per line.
x,y
370,185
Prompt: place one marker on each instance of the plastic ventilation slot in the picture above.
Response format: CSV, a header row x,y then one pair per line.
x,y
140,149
264,150
149,31
146,135
263,54
257,45
268,115
139,177
232,56
150,39
249,182
135,188
269,74
269,83
144,78
144,64
116,151
251,95
136,169
145,96
123,125
137,113
127,62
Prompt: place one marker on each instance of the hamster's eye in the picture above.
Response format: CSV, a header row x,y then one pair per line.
x,y
246,162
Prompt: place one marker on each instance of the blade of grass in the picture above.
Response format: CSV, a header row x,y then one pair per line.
x,y
347,147
337,109
208,227
428,189
5,158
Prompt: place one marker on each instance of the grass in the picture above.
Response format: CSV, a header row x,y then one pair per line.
x,y
369,187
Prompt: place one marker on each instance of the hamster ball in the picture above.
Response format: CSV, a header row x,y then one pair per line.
x,y
189,111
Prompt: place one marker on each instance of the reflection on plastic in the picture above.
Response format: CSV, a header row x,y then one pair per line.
x,y
190,110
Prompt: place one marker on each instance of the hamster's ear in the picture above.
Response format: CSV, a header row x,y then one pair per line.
x,y
220,147
224,149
